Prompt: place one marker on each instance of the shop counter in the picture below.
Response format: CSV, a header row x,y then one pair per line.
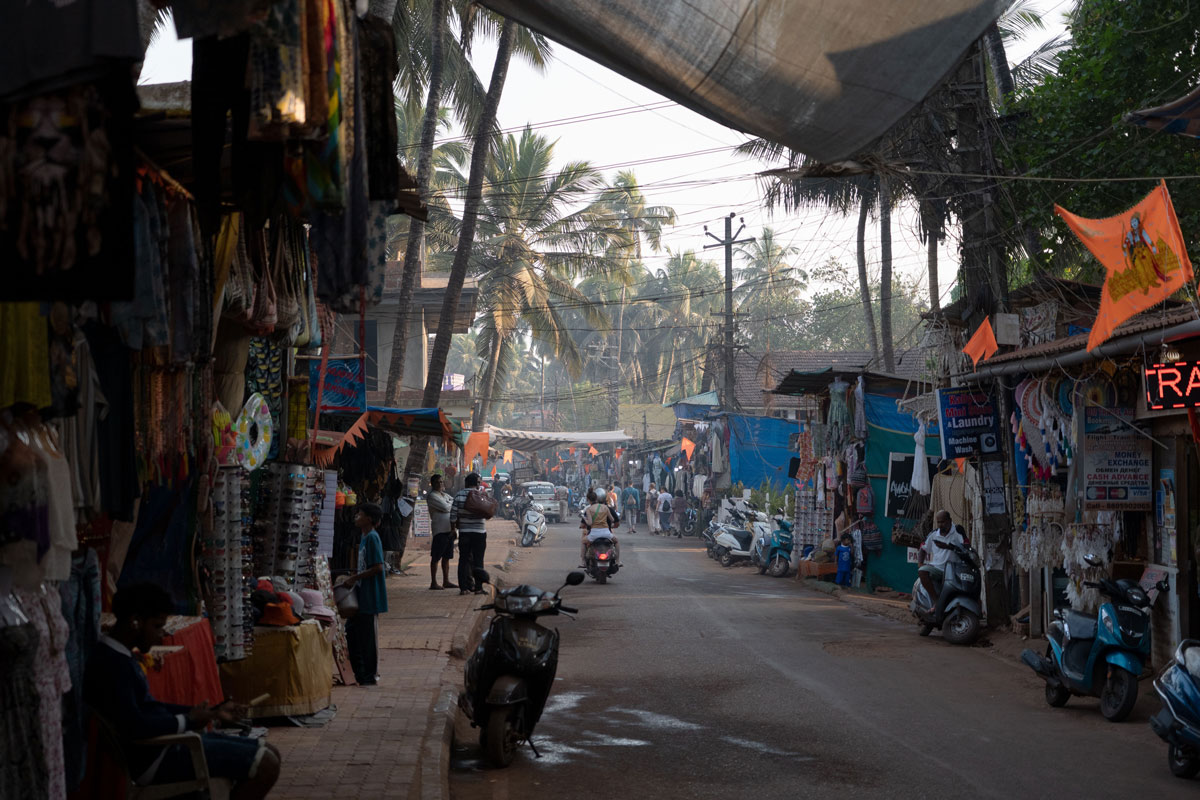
x,y
293,664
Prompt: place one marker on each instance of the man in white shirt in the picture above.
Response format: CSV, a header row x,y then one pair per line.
x,y
932,558
664,511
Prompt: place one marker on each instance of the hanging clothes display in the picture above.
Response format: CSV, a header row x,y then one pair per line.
x,y
23,772
838,432
52,679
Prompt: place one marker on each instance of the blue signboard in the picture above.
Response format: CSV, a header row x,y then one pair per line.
x,y
969,423
345,386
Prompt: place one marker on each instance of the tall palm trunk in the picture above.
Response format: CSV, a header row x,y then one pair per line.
x,y
864,288
885,275
416,228
931,260
667,380
466,238
998,61
484,407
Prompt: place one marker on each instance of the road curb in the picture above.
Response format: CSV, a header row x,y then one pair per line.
x,y
434,767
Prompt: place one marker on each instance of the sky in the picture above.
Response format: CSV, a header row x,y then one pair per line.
x,y
682,159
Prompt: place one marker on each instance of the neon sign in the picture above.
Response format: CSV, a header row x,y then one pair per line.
x,y
1173,385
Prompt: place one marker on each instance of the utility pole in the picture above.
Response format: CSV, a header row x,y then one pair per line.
x,y
645,428
728,242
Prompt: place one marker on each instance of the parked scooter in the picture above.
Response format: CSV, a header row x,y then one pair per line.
x,y
511,672
533,525
773,553
1098,654
1178,723
733,544
601,562
958,611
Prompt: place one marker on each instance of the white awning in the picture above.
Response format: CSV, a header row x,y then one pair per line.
x,y
826,79
531,441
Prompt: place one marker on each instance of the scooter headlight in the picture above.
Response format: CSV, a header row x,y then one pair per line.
x,y
1107,620
544,604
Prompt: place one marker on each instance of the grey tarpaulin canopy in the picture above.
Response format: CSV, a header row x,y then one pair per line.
x,y
824,78
532,441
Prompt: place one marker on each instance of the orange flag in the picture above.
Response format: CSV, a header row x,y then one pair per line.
x,y
982,345
477,445
687,446
962,464
593,451
508,457
1143,252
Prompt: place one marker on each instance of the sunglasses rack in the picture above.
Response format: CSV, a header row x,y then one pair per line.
x,y
291,499
227,557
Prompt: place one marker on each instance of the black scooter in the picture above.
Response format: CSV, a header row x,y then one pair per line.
x,y
959,609
511,672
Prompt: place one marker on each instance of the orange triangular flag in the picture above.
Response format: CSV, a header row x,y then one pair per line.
x,y
1144,254
982,345
593,451
687,446
508,457
962,463
477,445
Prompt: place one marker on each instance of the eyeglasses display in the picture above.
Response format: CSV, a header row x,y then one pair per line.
x,y
227,558
291,501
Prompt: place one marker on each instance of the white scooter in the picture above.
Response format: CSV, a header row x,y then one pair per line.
x,y
733,545
533,525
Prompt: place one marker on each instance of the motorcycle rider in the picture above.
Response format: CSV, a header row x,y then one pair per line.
x,y
598,521
934,554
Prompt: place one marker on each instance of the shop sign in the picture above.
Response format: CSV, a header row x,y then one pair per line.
x,y
968,423
345,388
1173,385
899,482
1117,462
422,525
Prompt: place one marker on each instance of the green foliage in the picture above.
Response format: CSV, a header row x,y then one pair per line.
x,y
1127,55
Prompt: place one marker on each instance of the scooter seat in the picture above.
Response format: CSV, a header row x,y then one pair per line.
x,y
1191,661
1081,626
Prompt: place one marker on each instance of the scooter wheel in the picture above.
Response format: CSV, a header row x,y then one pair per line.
x,y
726,560
779,567
501,735
1057,695
962,627
602,578
1119,695
1183,761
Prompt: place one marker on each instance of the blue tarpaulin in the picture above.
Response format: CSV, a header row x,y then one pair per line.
x,y
758,450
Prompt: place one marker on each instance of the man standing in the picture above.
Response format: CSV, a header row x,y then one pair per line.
x,y
441,548
664,512
933,558
362,633
652,509
472,537
631,499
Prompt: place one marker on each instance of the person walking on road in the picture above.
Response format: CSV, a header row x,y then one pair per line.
x,y
664,512
652,509
472,536
631,500
441,548
362,632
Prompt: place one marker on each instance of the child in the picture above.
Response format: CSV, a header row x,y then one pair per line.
x,y
362,635
844,555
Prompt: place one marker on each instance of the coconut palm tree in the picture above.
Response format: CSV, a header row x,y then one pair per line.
x,y
765,275
534,239
681,301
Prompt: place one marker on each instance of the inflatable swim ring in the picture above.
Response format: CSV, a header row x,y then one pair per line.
x,y
254,431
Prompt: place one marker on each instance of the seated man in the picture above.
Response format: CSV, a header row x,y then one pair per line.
x,y
598,520
933,558
116,687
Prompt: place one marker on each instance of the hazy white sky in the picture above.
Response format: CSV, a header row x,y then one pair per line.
x,y
681,158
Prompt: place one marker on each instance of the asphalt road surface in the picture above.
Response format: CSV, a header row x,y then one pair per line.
x,y
683,679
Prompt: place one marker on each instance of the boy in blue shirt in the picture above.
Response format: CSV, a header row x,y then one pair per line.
x,y
845,561
362,634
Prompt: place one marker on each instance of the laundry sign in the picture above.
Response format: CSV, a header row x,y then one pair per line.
x,y
969,423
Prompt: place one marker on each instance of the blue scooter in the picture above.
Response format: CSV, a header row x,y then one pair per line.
x,y
773,554
1178,723
1098,656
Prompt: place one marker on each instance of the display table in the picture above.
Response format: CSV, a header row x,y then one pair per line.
x,y
183,669
294,665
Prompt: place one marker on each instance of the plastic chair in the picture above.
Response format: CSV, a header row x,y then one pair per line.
x,y
203,785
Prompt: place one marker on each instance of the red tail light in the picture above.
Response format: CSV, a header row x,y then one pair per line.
x,y
602,556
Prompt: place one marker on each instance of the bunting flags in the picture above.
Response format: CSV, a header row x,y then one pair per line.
x,y
1144,254
477,445
592,451
687,446
982,345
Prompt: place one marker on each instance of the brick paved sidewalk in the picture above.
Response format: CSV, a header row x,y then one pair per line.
x,y
387,741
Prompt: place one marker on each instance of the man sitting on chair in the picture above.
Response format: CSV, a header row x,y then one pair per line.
x,y
116,687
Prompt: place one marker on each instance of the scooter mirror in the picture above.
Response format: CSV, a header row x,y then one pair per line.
x,y
1093,559
575,578
1164,585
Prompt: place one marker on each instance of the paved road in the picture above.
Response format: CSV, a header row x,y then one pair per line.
x,y
683,679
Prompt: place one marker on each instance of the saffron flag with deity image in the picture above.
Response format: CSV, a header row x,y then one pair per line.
x,y
1143,253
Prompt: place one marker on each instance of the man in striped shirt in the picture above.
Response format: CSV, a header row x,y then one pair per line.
x,y
472,537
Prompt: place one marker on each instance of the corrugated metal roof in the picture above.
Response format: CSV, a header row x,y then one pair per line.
x,y
1147,321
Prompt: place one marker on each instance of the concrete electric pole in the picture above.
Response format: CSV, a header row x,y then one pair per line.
x,y
728,242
